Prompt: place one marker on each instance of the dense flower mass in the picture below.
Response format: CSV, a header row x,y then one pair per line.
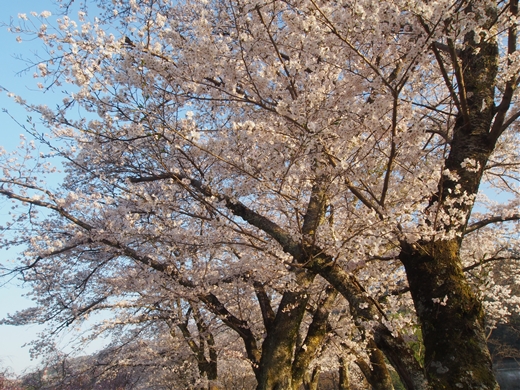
x,y
329,183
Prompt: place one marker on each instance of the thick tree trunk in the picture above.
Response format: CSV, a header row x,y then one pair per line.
x,y
451,316
275,371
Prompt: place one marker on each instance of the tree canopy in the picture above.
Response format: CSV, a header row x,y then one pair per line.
x,y
299,185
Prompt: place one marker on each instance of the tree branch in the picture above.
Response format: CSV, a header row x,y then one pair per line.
x,y
477,225
288,244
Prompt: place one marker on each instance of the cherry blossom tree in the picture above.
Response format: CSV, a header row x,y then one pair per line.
x,y
8,380
299,149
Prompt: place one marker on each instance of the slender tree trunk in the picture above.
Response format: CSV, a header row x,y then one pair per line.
x,y
376,373
210,370
344,379
312,379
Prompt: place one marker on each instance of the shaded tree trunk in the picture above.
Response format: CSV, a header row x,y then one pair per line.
x,y
312,379
376,373
316,333
207,365
344,379
275,369
452,319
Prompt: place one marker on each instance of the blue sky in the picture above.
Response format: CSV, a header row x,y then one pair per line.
x,y
12,354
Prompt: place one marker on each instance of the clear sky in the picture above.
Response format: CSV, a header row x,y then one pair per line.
x,y
12,338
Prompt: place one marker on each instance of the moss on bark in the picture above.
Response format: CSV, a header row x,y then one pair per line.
x,y
451,317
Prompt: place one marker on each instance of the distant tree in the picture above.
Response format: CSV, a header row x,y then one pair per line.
x,y
8,380
222,152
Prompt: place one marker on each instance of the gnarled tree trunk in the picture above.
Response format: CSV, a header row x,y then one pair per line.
x,y
452,319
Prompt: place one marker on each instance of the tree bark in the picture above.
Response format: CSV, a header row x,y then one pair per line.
x,y
315,335
452,319
451,316
312,379
207,365
275,370
376,373
344,379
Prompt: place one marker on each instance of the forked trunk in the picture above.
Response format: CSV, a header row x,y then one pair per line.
x,y
275,371
312,379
